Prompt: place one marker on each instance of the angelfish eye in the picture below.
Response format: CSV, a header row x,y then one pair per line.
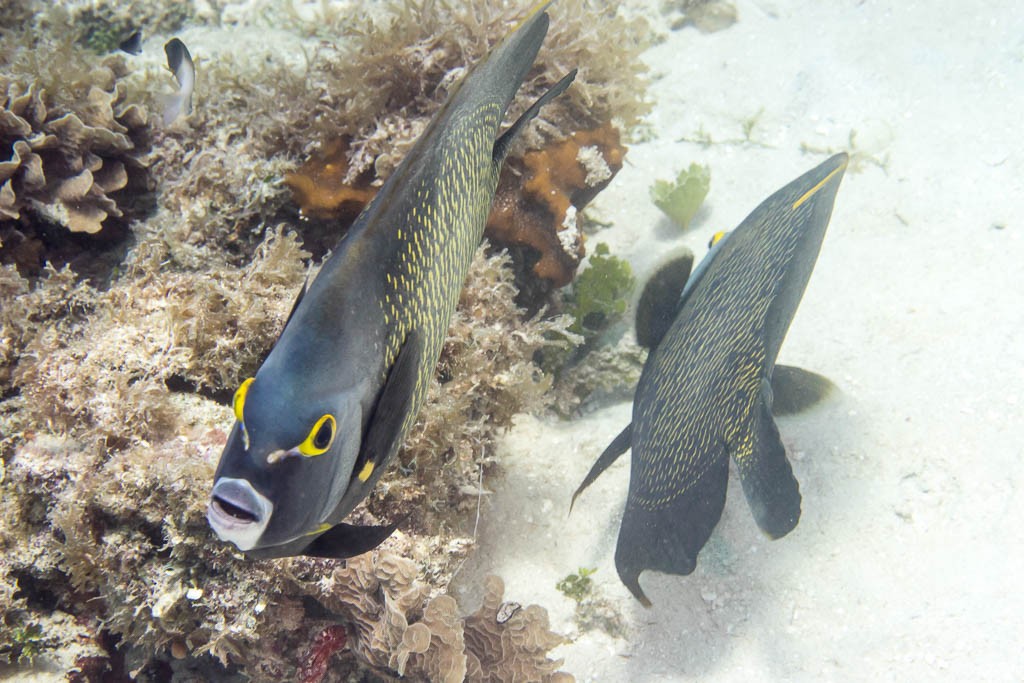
x,y
320,437
238,402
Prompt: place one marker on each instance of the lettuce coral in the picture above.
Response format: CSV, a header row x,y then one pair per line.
x,y
66,165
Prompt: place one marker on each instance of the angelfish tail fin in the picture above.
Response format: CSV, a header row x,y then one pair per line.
x,y
667,538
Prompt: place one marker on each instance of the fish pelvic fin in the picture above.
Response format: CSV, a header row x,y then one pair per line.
x,y
617,447
348,540
668,536
767,477
795,390
503,143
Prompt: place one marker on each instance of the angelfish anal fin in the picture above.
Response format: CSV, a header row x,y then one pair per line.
x,y
767,477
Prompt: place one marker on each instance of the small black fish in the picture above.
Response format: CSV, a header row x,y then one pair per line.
x,y
132,44
179,61
706,390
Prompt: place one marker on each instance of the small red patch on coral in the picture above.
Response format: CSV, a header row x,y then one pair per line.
x,y
313,666
535,195
320,189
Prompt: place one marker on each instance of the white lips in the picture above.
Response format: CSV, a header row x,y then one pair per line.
x,y
244,533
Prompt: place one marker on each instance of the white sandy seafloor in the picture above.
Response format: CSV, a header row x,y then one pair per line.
x,y
907,561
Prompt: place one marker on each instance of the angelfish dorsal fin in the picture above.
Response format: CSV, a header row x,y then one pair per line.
x,y
659,302
502,144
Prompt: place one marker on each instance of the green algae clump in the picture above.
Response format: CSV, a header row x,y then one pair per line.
x,y
600,293
577,586
682,199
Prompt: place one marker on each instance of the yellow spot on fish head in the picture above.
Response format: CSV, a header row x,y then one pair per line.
x,y
320,437
238,402
717,237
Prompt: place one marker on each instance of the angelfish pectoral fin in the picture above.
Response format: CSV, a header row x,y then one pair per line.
x,y
348,540
668,536
767,477
617,447
393,405
658,304
380,442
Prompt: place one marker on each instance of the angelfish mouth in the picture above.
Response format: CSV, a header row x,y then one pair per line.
x,y
238,513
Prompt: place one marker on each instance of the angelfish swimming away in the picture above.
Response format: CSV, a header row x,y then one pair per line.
x,y
341,388
706,390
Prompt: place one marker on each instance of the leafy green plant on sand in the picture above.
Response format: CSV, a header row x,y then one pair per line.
x,y
681,199
577,586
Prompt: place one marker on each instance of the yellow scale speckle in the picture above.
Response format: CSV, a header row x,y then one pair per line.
x,y
705,404
438,242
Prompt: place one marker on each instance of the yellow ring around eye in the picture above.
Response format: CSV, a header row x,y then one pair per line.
x,y
314,443
238,402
